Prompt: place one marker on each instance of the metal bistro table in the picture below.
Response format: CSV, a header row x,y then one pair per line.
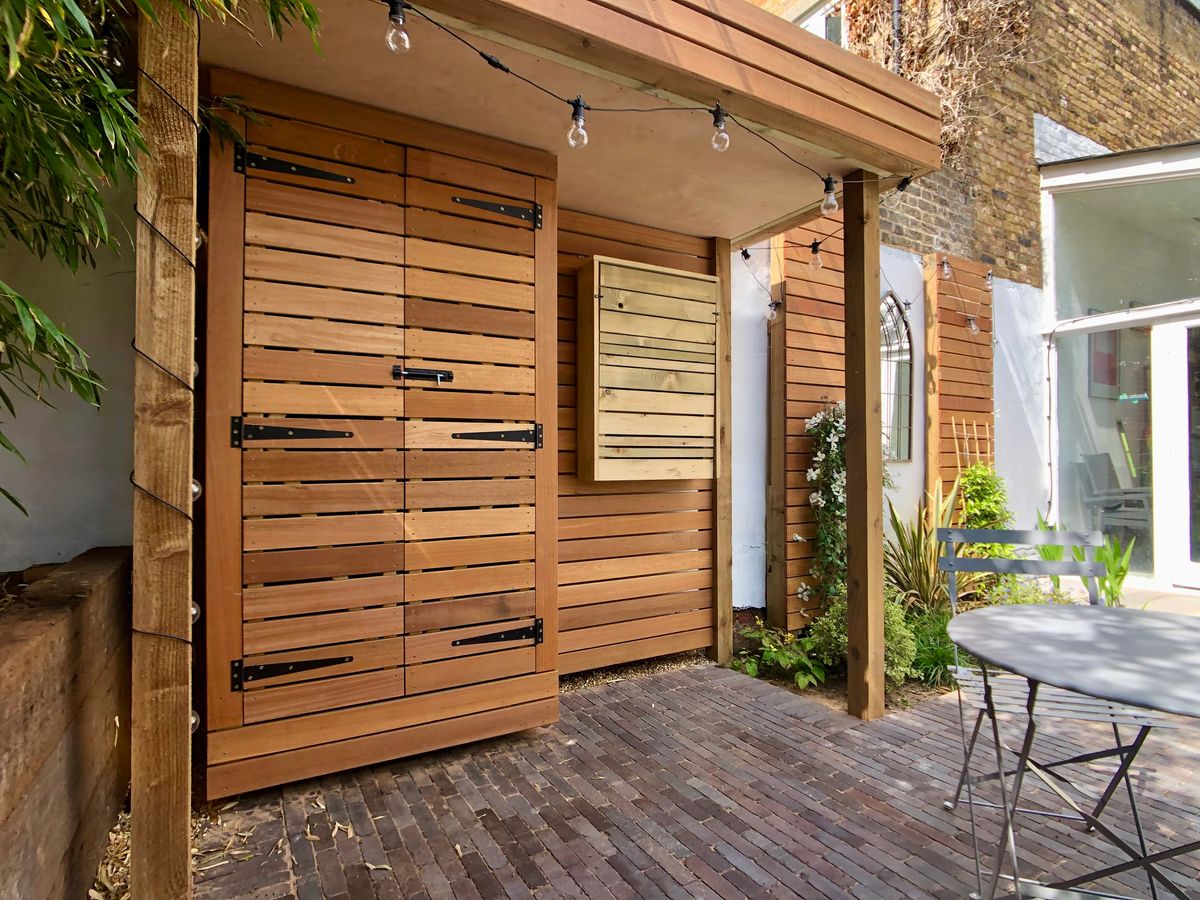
x,y
1147,659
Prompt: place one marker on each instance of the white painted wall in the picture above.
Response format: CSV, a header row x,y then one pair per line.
x,y
76,485
1019,382
750,287
902,274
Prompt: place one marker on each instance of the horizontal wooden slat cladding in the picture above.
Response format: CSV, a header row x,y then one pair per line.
x,y
327,562
319,206
437,464
235,777
314,696
320,531
276,737
296,632
328,143
467,582
447,644
436,614
472,551
323,271
322,238
366,183
315,334
481,492
321,596
321,399
313,465
328,303
453,673
636,551
350,434
360,656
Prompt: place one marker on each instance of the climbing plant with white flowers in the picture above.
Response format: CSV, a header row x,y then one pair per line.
x,y
827,478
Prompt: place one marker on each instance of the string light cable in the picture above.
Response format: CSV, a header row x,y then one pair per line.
x,y
399,42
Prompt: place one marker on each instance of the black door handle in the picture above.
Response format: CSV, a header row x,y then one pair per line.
x,y
438,375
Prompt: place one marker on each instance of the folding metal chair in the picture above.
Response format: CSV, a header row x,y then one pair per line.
x,y
1010,693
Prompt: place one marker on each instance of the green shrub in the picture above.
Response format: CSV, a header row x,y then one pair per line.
x,y
934,649
985,505
780,653
828,642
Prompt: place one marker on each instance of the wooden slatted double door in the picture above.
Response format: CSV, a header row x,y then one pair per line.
x,y
381,504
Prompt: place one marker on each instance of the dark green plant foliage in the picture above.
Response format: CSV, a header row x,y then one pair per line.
x,y
68,132
984,499
829,641
779,653
910,556
1112,553
934,650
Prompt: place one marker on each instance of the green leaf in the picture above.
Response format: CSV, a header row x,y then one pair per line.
x,y
14,501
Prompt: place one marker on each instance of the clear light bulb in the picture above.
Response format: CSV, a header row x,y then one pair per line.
x,y
720,137
397,35
829,205
577,135
772,311
972,325
815,261
945,268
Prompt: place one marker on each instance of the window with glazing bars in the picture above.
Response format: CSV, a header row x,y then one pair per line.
x,y
896,387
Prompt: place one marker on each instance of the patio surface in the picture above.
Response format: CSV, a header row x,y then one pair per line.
x,y
698,782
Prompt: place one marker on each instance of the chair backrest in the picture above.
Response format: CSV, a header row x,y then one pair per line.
x,y
1103,472
1089,570
1087,481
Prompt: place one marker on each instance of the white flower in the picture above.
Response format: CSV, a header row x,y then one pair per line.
x,y
799,538
819,457
812,475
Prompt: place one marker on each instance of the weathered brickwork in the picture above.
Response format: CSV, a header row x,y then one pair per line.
x,y
1125,73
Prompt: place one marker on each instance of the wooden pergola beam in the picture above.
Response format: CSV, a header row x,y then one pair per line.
x,y
162,455
864,450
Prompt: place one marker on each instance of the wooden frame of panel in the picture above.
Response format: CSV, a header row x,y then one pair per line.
x,y
647,337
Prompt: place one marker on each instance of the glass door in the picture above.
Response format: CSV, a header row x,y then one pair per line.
x,y
1177,452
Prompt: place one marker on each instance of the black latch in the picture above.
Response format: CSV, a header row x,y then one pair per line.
x,y
241,674
526,436
239,432
532,632
438,375
533,214
244,159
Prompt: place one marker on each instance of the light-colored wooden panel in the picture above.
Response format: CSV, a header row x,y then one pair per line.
x,y
327,303
438,645
644,469
326,562
330,693
608,452
319,237
654,305
651,280
321,206
425,526
502,664
618,400
655,379
299,499
698,362
468,582
323,271
305,465
701,350
423,254
640,423
320,399
613,322
321,596
617,360
320,531
296,632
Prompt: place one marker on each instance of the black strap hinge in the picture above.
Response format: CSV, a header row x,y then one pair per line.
x,y
534,632
530,214
243,159
241,674
524,436
240,433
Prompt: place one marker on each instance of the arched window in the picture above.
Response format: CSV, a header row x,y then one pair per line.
x,y
895,348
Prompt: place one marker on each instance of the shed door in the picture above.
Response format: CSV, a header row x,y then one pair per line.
x,y
382,593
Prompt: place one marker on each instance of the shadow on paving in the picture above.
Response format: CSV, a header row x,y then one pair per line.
x,y
698,782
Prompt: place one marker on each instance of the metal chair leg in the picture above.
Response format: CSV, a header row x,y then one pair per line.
x,y
962,776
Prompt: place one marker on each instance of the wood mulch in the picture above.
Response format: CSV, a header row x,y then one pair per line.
x,y
694,782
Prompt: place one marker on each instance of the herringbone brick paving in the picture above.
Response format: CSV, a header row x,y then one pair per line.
x,y
699,782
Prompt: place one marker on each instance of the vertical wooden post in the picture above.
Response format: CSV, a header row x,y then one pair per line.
x,y
546,400
162,455
722,648
864,450
777,531
933,412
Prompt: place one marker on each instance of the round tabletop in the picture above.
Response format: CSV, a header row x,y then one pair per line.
x,y
1132,656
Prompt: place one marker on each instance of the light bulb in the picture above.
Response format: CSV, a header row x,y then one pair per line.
x,y
829,205
988,279
945,268
397,35
720,137
772,311
972,325
577,135
815,260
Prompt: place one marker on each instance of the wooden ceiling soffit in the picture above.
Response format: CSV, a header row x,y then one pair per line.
x,y
764,70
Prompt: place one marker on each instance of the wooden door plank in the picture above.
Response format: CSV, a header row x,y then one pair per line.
x,y
302,465
426,526
321,596
296,632
319,531
265,567
467,582
325,303
438,645
330,693
321,206
323,271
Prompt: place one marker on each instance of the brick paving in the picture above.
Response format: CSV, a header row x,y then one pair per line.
x,y
699,782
